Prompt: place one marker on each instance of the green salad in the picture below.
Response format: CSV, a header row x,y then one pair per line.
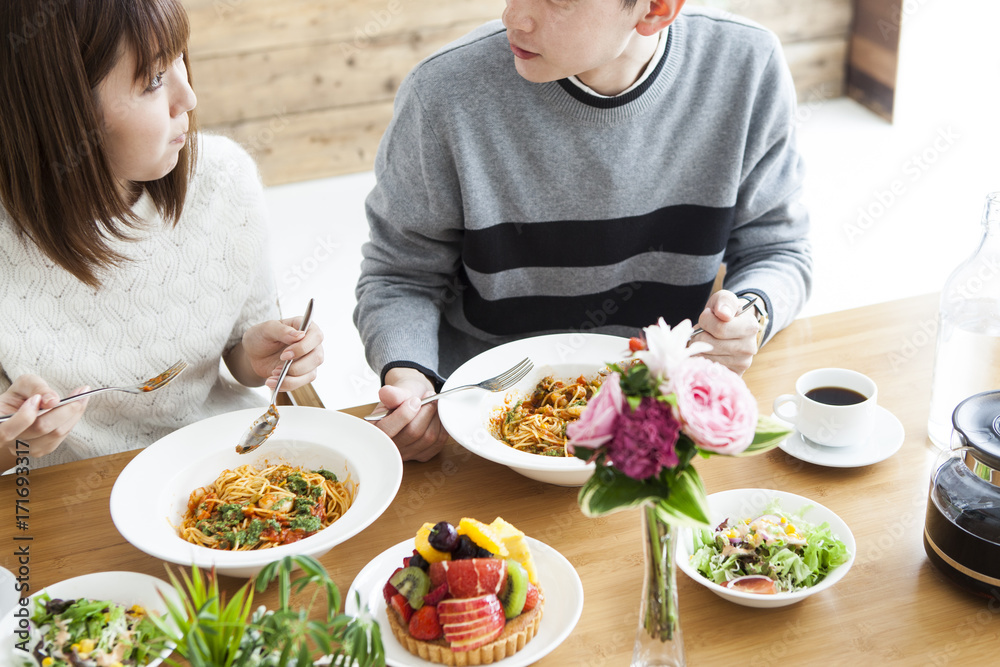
x,y
95,633
771,553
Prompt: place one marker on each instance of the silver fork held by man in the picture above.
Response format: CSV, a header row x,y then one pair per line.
x,y
503,381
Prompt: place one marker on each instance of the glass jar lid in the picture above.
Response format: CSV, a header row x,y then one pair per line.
x,y
977,424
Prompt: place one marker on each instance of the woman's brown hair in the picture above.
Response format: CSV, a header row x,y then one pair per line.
x,y
56,182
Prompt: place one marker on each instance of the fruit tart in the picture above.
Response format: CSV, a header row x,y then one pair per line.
x,y
468,595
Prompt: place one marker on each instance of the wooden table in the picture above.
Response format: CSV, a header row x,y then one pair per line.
x,y
892,608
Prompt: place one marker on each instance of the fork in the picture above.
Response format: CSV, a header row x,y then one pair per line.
x,y
152,384
504,380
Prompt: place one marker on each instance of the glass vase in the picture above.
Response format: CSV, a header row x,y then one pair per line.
x,y
658,640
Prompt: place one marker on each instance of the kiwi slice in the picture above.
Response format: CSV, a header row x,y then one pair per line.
x,y
413,584
514,591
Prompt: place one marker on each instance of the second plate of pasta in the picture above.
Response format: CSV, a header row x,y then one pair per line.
x,y
523,428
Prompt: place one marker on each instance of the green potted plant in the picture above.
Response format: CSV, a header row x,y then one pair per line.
x,y
210,631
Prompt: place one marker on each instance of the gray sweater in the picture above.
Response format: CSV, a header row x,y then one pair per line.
x,y
505,209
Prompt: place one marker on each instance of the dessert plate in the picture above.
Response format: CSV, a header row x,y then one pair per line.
x,y
886,439
559,580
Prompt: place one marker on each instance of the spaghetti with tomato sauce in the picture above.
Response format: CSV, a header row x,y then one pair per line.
x,y
537,424
247,508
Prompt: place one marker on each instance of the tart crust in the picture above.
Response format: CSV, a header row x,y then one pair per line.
x,y
516,633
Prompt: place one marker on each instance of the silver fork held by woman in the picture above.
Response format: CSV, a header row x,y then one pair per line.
x,y
503,381
152,384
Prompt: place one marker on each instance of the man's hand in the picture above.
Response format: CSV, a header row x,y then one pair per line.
x,y
416,429
733,338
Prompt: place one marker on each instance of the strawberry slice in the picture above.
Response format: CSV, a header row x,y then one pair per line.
x,y
531,601
424,624
402,607
436,594
389,590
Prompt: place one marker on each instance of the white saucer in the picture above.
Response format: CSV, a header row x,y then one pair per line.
x,y
886,439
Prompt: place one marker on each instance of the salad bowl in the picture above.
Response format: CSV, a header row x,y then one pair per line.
x,y
124,588
806,515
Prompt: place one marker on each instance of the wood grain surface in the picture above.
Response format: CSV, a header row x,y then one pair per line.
x,y
892,608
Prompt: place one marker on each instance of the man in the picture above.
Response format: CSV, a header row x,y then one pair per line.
x,y
588,165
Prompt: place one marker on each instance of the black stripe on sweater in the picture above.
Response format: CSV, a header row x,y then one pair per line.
x,y
635,305
685,229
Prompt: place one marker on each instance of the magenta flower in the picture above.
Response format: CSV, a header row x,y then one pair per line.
x,y
645,439
597,423
716,409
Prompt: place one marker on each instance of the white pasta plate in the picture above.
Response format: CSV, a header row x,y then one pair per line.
x,y
151,494
124,588
557,577
466,415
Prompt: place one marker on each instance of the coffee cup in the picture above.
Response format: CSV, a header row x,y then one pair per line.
x,y
833,407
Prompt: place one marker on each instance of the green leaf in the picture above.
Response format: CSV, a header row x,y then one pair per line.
x,y
770,433
599,497
688,503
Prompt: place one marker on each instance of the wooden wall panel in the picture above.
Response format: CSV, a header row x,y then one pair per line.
x,y
874,54
307,85
220,27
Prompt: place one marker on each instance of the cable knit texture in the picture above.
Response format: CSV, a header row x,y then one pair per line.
x,y
188,292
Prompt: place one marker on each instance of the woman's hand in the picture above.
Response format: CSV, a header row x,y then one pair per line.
x,y
267,346
28,396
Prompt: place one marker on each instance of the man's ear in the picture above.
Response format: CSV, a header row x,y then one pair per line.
x,y
661,14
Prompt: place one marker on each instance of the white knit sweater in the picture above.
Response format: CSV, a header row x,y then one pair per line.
x,y
189,292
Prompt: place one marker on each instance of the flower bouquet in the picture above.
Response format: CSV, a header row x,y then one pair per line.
x,y
653,414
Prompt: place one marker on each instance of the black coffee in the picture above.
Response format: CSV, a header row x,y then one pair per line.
x,y
836,396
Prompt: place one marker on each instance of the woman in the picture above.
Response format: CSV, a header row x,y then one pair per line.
x,y
126,241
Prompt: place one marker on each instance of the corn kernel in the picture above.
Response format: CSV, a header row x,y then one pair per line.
x,y
47,662
86,646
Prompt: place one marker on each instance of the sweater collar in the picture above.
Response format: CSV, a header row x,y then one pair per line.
x,y
570,97
661,43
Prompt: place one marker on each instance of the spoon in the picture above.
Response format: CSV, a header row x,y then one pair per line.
x,y
262,429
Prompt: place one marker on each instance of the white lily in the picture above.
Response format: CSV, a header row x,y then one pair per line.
x,y
666,347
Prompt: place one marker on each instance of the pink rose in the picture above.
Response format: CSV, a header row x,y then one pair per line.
x,y
716,409
597,423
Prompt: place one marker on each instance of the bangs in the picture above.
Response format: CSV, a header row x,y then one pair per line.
x,y
157,32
